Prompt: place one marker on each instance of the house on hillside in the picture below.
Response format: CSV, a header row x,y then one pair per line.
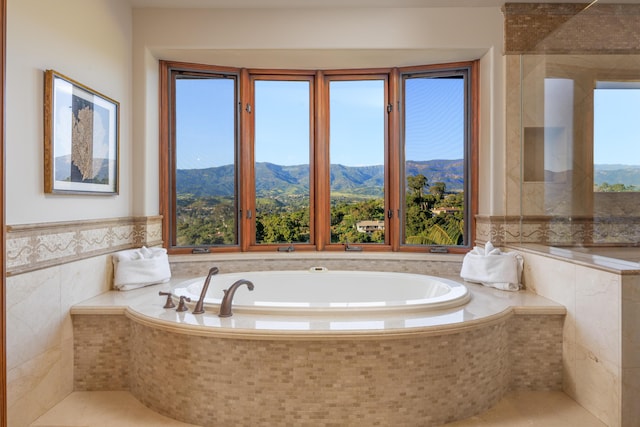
x,y
369,226
446,210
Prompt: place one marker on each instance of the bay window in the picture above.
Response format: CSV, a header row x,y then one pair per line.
x,y
254,160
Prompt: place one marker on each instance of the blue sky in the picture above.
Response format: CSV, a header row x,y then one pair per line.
x,y
434,118
617,126
357,111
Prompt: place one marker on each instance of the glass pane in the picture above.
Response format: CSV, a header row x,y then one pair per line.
x,y
616,137
434,147
282,141
205,162
357,126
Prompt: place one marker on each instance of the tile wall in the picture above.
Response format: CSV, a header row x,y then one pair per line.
x,y
601,333
51,267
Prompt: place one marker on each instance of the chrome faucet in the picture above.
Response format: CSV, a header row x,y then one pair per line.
x,y
199,308
225,305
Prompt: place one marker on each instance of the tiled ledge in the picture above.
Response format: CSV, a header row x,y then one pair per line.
x,y
603,259
487,306
31,247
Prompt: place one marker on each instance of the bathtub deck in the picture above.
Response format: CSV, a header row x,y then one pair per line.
x,y
120,408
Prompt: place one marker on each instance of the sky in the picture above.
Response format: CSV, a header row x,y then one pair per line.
x,y
434,122
205,121
617,126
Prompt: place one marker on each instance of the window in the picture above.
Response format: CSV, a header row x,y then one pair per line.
x,y
317,160
357,146
616,126
203,197
282,153
435,139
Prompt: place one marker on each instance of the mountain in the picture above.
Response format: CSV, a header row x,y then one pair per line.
x,y
280,179
611,174
617,174
451,172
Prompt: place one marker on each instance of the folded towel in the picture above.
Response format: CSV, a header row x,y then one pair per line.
x,y
491,267
135,268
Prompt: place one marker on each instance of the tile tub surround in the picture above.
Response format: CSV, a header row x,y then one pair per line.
x,y
601,337
190,367
441,265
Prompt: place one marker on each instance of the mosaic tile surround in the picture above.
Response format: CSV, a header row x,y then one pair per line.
x,y
425,380
571,28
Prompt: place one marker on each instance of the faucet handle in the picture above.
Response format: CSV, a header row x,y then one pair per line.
x,y
181,305
169,303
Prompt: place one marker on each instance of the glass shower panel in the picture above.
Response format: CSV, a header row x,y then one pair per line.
x,y
580,149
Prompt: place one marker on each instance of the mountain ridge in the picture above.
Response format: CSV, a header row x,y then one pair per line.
x,y
284,179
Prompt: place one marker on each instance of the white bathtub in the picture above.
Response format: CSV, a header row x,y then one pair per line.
x,y
319,290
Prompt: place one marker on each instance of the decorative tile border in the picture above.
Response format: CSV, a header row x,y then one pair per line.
x,y
35,246
553,230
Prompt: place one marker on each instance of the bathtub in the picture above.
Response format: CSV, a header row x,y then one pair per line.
x,y
370,348
319,290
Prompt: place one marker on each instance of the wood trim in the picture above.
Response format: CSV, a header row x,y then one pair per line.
x,y
321,170
3,326
394,235
165,197
247,174
474,195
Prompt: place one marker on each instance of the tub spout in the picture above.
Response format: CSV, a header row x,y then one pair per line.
x,y
199,308
225,305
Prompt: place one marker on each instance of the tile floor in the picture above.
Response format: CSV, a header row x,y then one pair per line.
x,y
121,409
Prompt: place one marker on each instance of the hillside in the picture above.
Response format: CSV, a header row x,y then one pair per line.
x,y
279,179
617,174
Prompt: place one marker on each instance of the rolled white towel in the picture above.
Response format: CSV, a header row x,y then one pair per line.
x,y
493,268
135,268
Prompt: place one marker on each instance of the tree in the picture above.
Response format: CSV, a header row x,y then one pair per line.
x,y
417,183
438,189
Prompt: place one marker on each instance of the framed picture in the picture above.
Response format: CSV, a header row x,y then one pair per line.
x,y
81,138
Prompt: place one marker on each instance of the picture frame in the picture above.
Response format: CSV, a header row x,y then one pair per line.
x,y
81,138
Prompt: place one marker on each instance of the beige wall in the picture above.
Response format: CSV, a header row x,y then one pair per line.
x,y
89,42
320,38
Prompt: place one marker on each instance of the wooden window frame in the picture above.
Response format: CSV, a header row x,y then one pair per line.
x,y
248,145
320,237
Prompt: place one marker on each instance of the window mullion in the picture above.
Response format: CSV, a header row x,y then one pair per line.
x,y
393,163
321,163
246,175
